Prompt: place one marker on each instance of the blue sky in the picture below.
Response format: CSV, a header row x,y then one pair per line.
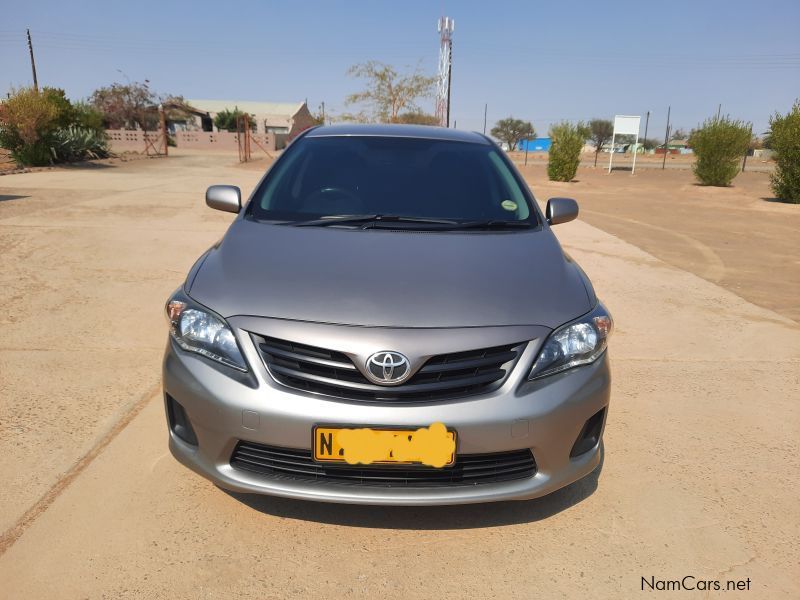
x,y
537,60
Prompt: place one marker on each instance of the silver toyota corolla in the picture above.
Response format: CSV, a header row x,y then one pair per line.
x,y
388,320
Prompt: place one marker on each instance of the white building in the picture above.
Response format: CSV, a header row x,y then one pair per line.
x,y
289,118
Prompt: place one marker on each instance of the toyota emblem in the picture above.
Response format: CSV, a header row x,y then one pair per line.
x,y
388,368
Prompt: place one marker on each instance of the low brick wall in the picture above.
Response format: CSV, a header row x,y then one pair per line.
x,y
207,140
268,141
123,140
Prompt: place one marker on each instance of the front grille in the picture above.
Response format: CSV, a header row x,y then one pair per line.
x,y
332,373
297,465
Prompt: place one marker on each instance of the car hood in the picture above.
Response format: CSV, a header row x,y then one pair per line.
x,y
390,278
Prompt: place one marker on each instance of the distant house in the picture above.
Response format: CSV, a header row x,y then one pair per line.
x,y
678,144
288,118
675,147
540,144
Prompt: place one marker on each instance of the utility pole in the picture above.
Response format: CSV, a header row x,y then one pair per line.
x,y
449,81
485,110
33,62
646,123
445,27
323,112
719,110
666,141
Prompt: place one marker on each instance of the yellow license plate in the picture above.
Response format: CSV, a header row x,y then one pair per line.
x,y
434,446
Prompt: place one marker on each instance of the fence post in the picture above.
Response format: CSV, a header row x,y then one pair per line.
x,y
164,138
246,137
239,143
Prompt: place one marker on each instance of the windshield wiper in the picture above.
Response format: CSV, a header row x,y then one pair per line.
x,y
380,221
491,224
367,221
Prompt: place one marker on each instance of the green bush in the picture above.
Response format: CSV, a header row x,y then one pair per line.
x,y
36,154
785,142
565,150
87,117
40,128
719,144
65,112
226,119
27,120
78,143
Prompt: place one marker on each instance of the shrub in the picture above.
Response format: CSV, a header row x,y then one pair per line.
x,y
27,120
226,119
565,150
719,144
415,117
36,154
78,143
785,141
65,112
87,116
40,128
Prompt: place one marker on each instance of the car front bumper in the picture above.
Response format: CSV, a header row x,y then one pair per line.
x,y
545,416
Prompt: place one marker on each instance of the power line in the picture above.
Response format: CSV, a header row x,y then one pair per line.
x,y
78,42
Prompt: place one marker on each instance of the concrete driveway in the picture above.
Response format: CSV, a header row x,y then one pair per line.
x,y
701,451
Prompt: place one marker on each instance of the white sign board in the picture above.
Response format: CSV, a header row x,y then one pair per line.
x,y
625,125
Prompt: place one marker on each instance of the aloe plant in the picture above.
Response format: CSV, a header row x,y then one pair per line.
x,y
78,143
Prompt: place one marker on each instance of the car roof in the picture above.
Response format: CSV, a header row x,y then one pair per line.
x,y
405,131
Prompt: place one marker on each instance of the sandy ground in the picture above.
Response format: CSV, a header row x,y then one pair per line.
x,y
739,237
647,162
699,477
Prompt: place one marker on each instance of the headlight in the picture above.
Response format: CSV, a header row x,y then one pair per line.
x,y
197,329
577,343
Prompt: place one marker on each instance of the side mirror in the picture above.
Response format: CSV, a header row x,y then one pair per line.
x,y
561,210
224,197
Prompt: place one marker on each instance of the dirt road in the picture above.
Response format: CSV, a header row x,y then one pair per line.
x,y
699,478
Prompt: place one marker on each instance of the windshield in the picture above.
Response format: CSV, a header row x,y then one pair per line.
x,y
396,178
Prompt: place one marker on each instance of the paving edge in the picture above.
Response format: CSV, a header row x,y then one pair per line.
x,y
13,533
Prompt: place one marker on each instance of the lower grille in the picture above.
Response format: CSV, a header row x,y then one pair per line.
x,y
332,373
297,465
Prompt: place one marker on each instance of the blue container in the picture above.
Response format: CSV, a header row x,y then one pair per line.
x,y
541,144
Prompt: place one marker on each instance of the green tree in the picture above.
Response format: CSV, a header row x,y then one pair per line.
x,y
417,117
719,143
512,131
226,119
87,116
785,142
57,98
600,132
388,93
565,151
